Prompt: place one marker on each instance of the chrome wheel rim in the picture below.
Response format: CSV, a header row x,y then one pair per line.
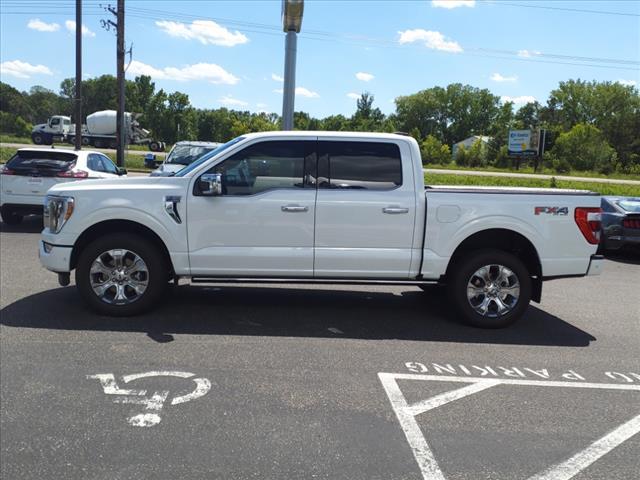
x,y
493,290
119,276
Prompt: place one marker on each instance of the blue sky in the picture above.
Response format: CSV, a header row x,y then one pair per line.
x,y
231,53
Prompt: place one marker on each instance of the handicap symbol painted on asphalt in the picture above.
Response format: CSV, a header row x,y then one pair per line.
x,y
153,403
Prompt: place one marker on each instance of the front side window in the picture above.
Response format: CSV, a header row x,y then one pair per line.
x,y
55,121
266,166
359,165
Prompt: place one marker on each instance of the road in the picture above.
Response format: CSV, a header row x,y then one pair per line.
x,y
427,170
104,150
286,382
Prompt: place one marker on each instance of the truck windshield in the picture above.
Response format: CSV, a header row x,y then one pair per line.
x,y
186,154
207,156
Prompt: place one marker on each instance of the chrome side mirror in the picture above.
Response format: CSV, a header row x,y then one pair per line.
x,y
210,184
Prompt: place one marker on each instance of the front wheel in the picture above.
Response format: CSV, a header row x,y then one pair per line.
x,y
490,288
121,275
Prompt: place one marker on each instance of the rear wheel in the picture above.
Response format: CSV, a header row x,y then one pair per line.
x,y
10,216
113,144
490,288
154,146
37,139
121,275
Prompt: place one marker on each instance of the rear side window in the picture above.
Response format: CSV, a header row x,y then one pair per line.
x,y
360,165
42,161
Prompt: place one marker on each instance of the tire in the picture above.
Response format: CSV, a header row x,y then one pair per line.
x,y
37,139
9,216
113,144
130,303
98,143
468,272
85,141
154,146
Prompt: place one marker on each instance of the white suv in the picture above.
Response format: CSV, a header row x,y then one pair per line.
x,y
27,176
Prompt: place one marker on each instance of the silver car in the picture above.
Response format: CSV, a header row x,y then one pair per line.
x,y
182,154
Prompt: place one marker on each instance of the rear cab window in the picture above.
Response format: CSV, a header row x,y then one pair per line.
x,y
359,165
41,162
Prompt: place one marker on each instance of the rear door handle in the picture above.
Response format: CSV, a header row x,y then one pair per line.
x,y
294,208
395,210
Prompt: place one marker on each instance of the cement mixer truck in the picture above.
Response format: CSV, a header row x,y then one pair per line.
x,y
99,132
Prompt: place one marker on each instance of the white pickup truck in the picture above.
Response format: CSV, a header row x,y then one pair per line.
x,y
317,207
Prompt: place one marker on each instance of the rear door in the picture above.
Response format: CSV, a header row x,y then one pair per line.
x,y
365,209
101,166
29,174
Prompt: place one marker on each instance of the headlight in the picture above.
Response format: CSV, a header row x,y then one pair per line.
x,y
57,210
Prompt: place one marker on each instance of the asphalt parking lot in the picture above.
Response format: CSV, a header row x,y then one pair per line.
x,y
273,382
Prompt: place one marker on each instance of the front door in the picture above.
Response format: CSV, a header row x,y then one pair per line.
x,y
263,223
365,211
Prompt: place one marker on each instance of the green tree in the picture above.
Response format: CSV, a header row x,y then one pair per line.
x,y
584,148
433,151
367,118
451,114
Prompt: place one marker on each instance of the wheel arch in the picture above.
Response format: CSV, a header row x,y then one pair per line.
x,y
118,226
506,240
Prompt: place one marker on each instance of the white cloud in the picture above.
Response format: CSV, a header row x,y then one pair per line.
x,y
431,39
277,78
200,71
19,69
39,25
71,26
365,77
449,4
528,53
261,105
627,83
521,100
205,31
496,77
228,100
355,96
300,92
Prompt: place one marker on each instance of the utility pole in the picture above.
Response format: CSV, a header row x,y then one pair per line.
x,y
291,23
77,106
120,126
120,52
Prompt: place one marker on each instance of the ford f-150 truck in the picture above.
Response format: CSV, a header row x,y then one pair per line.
x,y
317,207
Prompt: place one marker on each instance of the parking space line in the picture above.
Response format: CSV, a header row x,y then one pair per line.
x,y
581,460
425,458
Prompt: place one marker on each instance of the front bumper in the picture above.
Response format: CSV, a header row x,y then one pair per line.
x,y
595,265
54,257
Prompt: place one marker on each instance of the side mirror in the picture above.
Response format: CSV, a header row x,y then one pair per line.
x,y
210,184
150,160
122,171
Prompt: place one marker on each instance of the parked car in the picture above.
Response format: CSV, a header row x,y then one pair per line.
x,y
620,222
27,176
318,207
182,154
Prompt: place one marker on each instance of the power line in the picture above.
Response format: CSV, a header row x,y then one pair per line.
x,y
566,9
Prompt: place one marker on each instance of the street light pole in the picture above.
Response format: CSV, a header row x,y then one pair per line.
x,y
291,23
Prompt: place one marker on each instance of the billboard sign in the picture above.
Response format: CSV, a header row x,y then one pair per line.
x,y
522,143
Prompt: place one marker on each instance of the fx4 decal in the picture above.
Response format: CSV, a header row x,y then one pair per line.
x,y
552,210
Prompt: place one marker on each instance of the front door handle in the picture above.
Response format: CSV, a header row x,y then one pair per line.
x,y
294,208
395,210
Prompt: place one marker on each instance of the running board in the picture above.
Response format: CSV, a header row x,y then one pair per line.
x,y
316,281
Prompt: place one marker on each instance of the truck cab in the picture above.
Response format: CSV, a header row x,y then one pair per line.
x,y
55,130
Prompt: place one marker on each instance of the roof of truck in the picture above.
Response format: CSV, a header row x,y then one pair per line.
x,y
312,133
